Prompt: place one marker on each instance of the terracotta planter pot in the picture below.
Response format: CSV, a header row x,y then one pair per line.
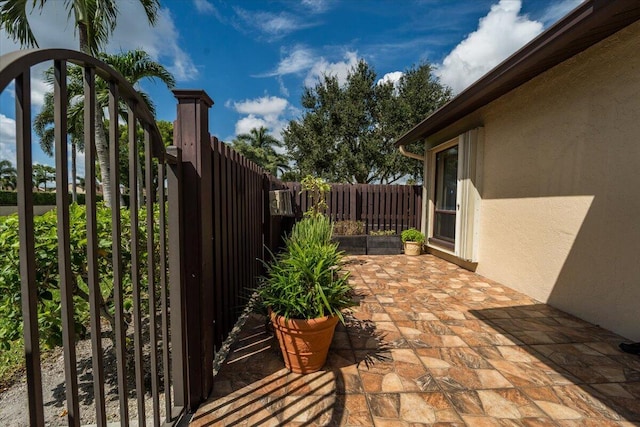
x,y
304,343
412,248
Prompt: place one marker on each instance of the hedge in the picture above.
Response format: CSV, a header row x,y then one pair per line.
x,y
10,198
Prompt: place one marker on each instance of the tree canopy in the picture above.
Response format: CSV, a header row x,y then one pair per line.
x,y
134,65
260,147
8,175
346,131
94,22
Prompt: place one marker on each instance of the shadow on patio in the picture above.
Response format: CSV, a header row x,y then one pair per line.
x,y
431,343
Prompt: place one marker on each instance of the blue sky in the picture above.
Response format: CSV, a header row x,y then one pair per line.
x,y
255,57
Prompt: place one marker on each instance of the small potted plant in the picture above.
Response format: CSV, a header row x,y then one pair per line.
x,y
412,240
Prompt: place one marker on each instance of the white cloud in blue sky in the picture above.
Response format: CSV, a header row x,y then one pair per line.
x,y
247,51
500,33
203,6
339,69
316,6
393,77
558,9
299,59
272,25
265,111
7,138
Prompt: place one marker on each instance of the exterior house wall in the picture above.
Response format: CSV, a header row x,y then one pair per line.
x,y
560,211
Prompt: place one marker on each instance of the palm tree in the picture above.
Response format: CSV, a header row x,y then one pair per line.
x,y
258,146
95,21
259,138
42,174
8,175
133,65
43,127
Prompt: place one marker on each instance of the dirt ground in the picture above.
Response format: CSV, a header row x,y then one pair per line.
x,y
13,400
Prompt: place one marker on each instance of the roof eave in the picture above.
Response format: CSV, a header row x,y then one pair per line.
x,y
586,25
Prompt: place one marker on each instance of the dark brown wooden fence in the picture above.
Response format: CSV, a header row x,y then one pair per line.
x,y
239,209
380,207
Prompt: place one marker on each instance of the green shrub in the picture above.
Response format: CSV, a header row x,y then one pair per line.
x,y
348,228
316,189
10,198
306,282
312,230
412,235
47,279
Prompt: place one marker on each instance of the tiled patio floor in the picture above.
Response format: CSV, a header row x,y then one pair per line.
x,y
433,344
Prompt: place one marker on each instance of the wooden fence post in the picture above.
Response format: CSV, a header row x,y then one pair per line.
x,y
191,136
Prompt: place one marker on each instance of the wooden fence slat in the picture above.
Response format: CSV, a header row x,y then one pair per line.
x,y
225,214
218,248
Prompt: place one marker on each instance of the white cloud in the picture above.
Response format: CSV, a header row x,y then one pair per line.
x,y
499,34
393,77
7,139
203,6
273,25
161,42
39,87
245,124
316,6
268,106
266,111
300,59
559,9
339,69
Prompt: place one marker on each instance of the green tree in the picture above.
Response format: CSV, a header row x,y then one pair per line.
x,y
134,65
260,147
95,21
42,174
346,132
47,277
166,131
8,175
43,125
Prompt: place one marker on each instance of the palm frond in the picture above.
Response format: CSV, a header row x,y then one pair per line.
x,y
13,19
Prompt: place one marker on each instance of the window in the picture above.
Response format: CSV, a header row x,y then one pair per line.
x,y
446,184
454,171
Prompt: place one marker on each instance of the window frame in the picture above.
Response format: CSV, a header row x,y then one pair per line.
x,y
468,195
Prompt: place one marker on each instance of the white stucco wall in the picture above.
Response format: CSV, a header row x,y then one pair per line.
x,y
560,213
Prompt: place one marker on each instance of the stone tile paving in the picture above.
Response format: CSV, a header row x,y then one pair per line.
x,y
433,344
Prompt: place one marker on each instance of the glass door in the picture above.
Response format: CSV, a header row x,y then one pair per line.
x,y
446,187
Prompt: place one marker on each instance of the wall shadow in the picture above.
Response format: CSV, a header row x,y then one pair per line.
x,y
579,363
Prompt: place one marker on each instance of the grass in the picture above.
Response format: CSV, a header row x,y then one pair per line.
x,y
11,364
